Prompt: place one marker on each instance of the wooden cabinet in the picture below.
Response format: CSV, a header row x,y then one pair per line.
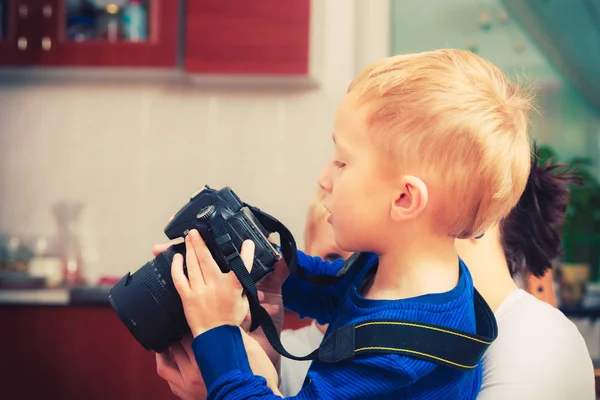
x,y
77,352
247,37
223,37
86,33
68,352
17,27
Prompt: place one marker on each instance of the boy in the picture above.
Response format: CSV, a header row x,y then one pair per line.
x,y
318,241
429,147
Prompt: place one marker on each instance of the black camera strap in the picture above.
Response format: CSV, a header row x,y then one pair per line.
x,y
441,345
288,248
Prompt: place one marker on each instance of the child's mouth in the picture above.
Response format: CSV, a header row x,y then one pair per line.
x,y
330,217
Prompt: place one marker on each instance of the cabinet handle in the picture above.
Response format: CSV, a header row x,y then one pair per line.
x,y
23,11
46,43
47,11
22,43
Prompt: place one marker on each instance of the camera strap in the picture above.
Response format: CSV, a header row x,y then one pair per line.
x,y
437,344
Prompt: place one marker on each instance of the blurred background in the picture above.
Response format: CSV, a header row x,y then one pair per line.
x,y
113,112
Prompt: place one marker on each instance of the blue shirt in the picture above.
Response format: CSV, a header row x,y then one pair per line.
x,y
224,365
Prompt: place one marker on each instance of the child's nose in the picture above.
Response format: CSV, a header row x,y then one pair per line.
x,y
325,180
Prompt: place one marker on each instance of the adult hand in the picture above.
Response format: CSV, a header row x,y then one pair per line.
x,y
178,367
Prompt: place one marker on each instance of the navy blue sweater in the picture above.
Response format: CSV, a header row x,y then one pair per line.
x,y
224,364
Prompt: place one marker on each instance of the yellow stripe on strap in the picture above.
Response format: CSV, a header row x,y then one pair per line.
x,y
425,327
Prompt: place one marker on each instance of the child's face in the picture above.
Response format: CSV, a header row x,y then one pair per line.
x,y
357,190
322,243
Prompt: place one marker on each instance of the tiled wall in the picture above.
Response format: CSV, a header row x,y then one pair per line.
x,y
133,155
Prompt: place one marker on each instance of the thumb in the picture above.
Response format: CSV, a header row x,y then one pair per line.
x,y
247,254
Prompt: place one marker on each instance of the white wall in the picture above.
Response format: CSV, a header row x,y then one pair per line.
x,y
134,153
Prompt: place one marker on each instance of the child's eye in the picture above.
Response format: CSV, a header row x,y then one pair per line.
x,y
339,164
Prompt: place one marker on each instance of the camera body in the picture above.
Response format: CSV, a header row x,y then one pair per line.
x,y
224,222
147,301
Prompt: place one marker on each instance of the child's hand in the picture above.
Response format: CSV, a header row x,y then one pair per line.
x,y
210,298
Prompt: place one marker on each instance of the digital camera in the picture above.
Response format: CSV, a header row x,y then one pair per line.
x,y
147,301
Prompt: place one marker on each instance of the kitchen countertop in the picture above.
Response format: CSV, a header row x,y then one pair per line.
x,y
80,296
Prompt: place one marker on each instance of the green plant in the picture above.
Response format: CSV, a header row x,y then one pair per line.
x,y
581,228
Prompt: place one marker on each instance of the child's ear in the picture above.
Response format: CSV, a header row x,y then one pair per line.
x,y
410,199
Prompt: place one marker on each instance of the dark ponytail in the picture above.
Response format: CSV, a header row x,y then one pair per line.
x,y
531,235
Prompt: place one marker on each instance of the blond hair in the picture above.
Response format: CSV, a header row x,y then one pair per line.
x,y
315,215
456,119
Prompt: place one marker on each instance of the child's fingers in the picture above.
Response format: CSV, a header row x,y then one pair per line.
x,y
179,279
194,271
247,254
208,265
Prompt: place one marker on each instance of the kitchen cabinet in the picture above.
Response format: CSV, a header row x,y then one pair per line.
x,y
90,33
17,27
247,37
81,351
222,37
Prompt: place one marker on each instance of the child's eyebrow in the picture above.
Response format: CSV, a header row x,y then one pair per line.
x,y
340,146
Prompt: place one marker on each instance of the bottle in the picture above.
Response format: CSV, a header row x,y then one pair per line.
x,y
67,216
46,263
135,22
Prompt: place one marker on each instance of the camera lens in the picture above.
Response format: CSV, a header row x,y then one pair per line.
x,y
148,303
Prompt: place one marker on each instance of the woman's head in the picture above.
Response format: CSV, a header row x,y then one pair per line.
x,y
318,234
530,235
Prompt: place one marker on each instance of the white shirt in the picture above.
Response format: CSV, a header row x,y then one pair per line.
x,y
539,354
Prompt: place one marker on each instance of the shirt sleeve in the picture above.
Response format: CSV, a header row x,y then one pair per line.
x,y
310,300
223,362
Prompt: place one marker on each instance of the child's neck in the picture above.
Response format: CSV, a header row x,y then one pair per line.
x,y
489,269
415,268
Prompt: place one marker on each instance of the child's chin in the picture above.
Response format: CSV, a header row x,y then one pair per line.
x,y
341,242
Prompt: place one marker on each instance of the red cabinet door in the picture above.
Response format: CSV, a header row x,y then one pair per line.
x,y
74,353
19,30
83,33
247,37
